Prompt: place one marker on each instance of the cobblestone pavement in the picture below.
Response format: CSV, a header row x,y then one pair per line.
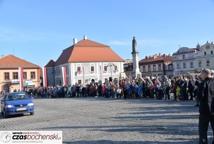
x,y
109,121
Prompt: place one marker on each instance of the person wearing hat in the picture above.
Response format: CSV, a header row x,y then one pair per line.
x,y
206,107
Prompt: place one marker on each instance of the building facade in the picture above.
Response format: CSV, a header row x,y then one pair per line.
x,y
156,65
17,74
83,62
192,60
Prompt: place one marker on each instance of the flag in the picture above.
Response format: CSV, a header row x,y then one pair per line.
x,y
64,75
21,88
45,83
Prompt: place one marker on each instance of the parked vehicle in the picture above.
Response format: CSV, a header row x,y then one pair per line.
x,y
16,103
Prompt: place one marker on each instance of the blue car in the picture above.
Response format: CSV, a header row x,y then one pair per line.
x,y
16,103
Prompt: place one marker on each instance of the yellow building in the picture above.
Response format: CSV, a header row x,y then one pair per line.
x,y
11,76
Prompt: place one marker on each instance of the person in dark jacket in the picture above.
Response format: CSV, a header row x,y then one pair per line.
x,y
206,107
191,88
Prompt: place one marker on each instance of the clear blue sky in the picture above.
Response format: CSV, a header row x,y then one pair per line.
x,y
38,30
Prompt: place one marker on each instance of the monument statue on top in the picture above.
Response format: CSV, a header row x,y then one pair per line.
x,y
135,59
134,45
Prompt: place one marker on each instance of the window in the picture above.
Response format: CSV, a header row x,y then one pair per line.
x,y
170,67
199,64
144,68
79,82
211,52
32,75
184,65
154,67
115,68
92,69
159,67
208,63
191,65
15,75
105,68
149,68
6,76
183,56
78,69
178,66
24,75
205,53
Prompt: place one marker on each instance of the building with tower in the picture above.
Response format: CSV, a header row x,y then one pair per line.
x,y
192,60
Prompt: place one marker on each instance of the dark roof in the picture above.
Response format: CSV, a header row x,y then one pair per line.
x,y
51,63
185,50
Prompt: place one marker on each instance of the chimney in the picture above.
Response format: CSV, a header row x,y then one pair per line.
x,y
74,41
85,37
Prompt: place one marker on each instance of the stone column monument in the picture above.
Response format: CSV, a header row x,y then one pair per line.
x,y
135,59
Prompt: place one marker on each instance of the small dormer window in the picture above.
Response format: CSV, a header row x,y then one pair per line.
x,y
205,53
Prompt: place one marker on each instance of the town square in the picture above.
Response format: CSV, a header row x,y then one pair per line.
x,y
107,72
98,120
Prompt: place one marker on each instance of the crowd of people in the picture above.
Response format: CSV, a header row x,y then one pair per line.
x,y
175,88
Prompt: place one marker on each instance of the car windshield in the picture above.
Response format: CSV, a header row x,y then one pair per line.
x,y
16,96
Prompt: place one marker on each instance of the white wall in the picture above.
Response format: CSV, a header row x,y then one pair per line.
x,y
86,75
195,58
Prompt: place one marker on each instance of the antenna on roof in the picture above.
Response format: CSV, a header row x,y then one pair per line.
x,y
85,37
74,41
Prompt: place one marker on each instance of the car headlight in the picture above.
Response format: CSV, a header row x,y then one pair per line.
x,y
30,104
9,106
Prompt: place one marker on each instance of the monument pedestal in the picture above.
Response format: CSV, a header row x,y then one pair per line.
x,y
136,70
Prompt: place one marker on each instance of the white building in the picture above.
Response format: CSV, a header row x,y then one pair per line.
x,y
191,60
82,62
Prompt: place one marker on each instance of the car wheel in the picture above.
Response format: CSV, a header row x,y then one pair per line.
x,y
32,113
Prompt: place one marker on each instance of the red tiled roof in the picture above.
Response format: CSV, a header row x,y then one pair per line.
x,y
88,51
11,61
164,58
51,63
